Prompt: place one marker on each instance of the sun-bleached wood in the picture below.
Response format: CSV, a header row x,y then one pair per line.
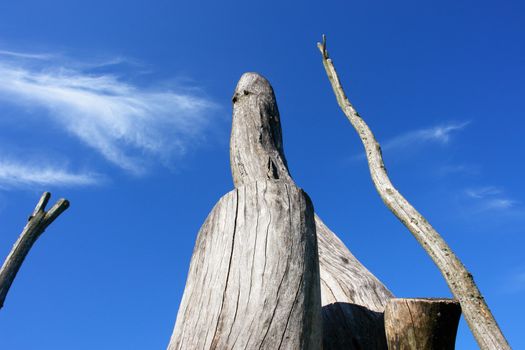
x,y
353,299
422,324
476,311
36,225
254,276
256,144
239,290
343,277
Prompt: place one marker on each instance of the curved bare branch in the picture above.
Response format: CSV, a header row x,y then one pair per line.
x,y
460,281
36,225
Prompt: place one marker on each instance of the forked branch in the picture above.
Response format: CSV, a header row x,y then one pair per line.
x,y
36,225
460,281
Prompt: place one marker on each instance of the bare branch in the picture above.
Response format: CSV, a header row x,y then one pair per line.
x,y
36,225
460,281
41,205
55,211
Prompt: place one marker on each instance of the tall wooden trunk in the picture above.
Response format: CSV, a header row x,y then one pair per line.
x,y
266,272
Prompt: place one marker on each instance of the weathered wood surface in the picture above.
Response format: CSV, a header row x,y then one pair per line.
x,y
238,294
36,225
476,311
422,324
256,143
343,277
353,299
254,277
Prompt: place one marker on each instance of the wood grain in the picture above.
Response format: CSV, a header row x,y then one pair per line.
x,y
422,324
254,277
353,299
270,289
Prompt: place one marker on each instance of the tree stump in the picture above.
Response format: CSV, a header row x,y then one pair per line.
x,y
422,324
254,276
266,271
353,299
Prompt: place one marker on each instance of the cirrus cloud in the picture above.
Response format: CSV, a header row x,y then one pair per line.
x,y
124,122
441,133
17,175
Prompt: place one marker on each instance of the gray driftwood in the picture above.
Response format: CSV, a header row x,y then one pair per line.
x,y
422,324
476,311
252,284
353,299
36,225
254,278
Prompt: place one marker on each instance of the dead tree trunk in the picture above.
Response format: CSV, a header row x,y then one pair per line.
x,y
36,225
254,277
422,324
460,281
353,299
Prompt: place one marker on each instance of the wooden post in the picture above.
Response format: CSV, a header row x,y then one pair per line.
x,y
422,324
254,275
258,273
254,278
353,299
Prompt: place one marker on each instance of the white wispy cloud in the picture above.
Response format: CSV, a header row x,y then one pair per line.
x,y
15,175
501,203
415,139
125,123
491,198
31,56
482,192
519,281
515,282
454,169
437,134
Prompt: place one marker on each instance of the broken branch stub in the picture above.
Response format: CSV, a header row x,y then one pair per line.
x,y
36,225
476,311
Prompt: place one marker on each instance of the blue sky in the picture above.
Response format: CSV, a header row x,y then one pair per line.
x,y
124,108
